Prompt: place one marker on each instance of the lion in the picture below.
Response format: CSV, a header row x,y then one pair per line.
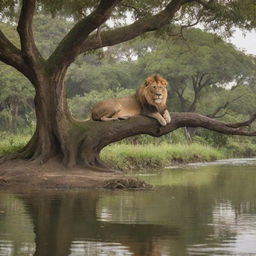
x,y
149,100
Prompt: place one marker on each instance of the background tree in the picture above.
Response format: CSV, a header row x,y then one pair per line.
x,y
194,67
57,133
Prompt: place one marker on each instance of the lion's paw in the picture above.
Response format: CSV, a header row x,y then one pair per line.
x,y
167,117
163,122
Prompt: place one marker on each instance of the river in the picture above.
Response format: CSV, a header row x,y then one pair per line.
x,y
198,209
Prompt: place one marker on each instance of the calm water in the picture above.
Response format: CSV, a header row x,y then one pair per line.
x,y
197,210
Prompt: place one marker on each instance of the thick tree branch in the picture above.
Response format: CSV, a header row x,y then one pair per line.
x,y
245,123
145,24
11,55
70,47
112,131
197,120
28,48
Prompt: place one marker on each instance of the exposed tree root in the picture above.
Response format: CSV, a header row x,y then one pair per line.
x,y
126,184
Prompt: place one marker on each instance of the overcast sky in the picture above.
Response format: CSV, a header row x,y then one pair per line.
x,y
246,43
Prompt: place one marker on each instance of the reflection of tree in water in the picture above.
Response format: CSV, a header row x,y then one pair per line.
x,y
72,217
16,227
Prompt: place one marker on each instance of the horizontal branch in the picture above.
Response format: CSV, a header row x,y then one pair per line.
x,y
222,107
145,24
112,131
197,120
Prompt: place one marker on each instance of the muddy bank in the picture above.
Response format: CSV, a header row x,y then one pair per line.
x,y
20,174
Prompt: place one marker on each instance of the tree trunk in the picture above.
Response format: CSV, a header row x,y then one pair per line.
x,y
187,135
57,134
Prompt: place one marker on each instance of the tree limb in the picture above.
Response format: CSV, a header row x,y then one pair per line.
x,y
112,131
145,24
188,25
28,48
197,120
70,47
224,106
11,55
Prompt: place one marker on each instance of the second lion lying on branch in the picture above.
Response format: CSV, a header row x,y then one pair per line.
x,y
149,99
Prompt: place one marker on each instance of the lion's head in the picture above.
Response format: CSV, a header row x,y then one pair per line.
x,y
154,91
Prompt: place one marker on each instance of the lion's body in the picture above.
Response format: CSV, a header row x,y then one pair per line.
x,y
150,99
116,108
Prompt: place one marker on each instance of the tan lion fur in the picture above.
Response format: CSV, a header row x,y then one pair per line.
x,y
149,99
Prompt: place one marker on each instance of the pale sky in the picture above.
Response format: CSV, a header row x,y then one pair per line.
x,y
245,42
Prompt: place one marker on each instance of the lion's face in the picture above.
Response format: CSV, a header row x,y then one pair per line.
x,y
155,90
158,92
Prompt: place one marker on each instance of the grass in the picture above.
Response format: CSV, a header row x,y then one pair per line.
x,y
125,156
10,143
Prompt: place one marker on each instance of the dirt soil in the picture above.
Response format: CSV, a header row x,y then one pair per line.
x,y
22,174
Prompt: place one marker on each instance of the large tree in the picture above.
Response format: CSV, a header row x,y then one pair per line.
x,y
79,142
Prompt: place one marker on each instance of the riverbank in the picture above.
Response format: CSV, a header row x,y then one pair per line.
x,y
23,174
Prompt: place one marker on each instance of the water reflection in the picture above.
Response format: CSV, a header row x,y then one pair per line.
x,y
203,211
16,228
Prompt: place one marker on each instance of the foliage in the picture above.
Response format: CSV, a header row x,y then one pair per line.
x,y
241,147
215,15
16,102
49,32
85,77
10,143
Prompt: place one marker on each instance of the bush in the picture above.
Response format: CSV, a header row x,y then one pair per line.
x,y
10,143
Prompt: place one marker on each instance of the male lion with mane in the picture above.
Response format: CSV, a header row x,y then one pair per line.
x,y
149,99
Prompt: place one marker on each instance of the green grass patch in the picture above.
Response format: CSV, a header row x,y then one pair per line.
x,y
125,156
10,143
